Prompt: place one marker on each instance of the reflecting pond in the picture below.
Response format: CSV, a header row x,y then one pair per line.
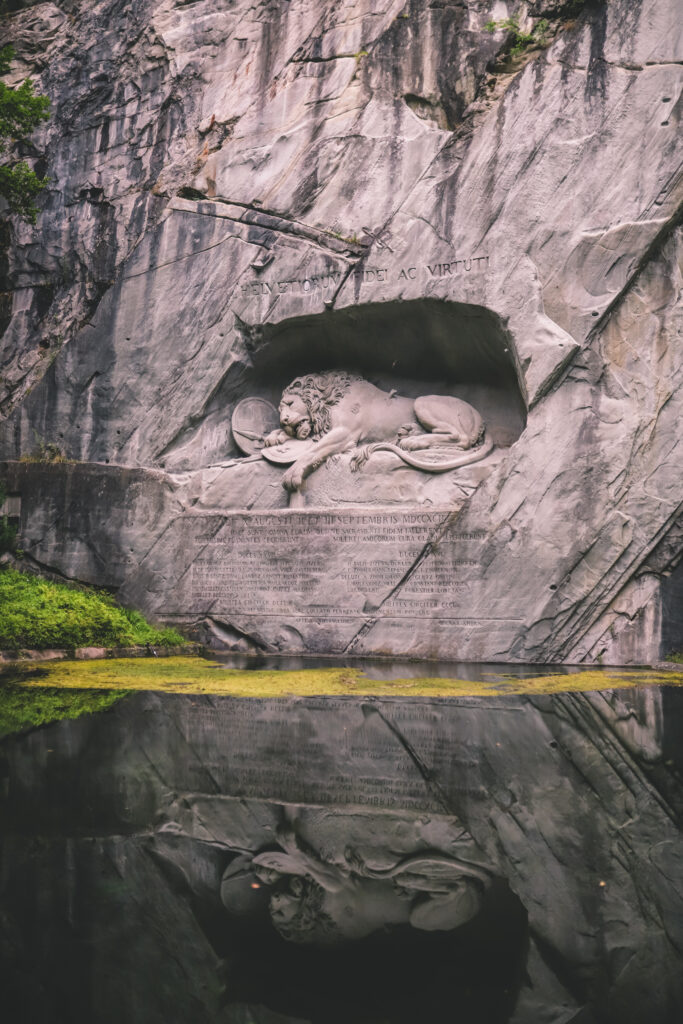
x,y
391,668
380,859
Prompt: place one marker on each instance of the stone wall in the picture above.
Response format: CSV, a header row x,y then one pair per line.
x,y
241,194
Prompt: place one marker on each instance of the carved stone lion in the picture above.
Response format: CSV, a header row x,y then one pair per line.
x,y
341,412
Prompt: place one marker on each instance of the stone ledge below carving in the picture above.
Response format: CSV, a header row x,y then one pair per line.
x,y
385,480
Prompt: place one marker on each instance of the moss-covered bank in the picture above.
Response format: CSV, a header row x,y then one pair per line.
x,y
39,614
35,694
201,675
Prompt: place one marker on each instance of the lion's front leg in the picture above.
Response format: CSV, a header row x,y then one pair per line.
x,y
337,440
294,477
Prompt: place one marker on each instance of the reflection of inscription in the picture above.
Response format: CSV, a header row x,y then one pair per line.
x,y
365,766
331,565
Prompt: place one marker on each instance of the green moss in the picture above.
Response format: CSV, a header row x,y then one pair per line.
x,y
520,41
23,708
36,613
200,675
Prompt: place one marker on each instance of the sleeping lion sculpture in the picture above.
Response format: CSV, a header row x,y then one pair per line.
x,y
341,411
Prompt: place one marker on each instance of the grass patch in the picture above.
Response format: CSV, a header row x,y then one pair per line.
x,y
23,707
201,675
36,613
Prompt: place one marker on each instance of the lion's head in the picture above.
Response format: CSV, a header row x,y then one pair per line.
x,y
306,402
297,909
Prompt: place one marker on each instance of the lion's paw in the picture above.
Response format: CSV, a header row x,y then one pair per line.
x,y
293,478
275,437
411,444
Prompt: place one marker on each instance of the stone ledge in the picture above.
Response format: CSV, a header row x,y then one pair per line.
x,y
94,653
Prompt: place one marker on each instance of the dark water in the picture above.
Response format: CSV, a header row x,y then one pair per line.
x,y
391,668
325,861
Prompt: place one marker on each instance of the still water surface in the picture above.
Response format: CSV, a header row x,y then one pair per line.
x,y
347,860
392,668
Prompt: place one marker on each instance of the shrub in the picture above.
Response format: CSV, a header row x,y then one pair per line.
x,y
36,613
520,40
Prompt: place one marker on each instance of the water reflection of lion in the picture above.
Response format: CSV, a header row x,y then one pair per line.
x,y
312,900
342,411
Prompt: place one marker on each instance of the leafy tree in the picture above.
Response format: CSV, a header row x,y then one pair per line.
x,y
20,112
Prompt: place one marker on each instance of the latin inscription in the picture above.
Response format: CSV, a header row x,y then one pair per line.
x,y
301,563
330,280
332,565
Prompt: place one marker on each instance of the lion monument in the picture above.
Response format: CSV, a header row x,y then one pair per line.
x,y
338,411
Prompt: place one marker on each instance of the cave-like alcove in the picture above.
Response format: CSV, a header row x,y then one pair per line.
x,y
424,346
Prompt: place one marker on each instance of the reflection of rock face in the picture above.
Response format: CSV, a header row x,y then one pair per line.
x,y
121,831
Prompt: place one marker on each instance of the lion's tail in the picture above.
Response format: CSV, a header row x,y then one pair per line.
x,y
465,459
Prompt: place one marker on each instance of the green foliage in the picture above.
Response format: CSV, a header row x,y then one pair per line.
x,y
44,452
21,111
8,533
520,40
19,185
23,708
36,613
505,24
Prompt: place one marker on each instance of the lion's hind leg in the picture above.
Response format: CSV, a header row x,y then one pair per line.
x,y
360,457
449,421
408,428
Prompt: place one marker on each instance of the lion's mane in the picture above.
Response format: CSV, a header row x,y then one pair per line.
x,y
310,923
319,392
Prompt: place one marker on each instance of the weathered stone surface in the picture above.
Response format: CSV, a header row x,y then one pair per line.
x,y
118,829
94,523
242,194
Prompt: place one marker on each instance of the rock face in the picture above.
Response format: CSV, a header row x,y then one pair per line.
x,y
244,194
517,858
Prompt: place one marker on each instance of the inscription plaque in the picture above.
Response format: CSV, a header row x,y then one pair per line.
x,y
362,581
308,563
359,581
